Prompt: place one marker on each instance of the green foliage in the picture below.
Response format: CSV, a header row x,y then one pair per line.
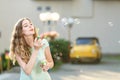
x,y
60,48
4,62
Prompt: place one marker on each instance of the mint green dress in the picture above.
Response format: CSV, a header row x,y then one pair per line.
x,y
37,72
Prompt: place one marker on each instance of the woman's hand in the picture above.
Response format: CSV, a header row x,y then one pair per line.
x,y
45,67
38,43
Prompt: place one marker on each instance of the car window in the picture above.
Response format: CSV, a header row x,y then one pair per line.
x,y
84,41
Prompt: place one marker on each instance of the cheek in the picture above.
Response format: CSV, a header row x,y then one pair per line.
x,y
24,31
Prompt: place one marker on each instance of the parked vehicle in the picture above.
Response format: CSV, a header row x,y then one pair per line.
x,y
86,49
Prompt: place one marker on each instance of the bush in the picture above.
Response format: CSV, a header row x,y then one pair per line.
x,y
6,63
60,49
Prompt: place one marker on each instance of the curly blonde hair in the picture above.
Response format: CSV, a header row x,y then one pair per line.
x,y
18,44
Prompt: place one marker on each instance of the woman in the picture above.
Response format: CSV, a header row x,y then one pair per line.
x,y
32,54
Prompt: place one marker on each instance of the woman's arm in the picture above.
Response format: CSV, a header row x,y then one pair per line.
x,y
29,66
50,62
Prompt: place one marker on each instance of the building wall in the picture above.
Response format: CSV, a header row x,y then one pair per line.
x,y
94,17
104,12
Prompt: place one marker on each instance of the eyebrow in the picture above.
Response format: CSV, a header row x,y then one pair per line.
x,y
24,24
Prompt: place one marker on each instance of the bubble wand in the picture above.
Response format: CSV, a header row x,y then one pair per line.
x,y
38,36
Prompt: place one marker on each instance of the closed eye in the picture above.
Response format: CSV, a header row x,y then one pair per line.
x,y
25,26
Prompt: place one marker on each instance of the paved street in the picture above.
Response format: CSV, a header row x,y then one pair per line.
x,y
108,69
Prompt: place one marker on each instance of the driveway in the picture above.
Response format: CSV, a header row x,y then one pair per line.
x,y
108,69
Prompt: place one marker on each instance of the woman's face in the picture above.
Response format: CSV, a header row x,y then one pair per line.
x,y
27,28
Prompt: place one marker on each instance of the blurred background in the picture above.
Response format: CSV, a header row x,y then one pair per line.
x,y
83,36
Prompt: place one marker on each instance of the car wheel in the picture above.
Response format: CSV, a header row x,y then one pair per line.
x,y
98,60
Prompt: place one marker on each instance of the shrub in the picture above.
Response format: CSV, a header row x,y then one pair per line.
x,y
60,49
6,63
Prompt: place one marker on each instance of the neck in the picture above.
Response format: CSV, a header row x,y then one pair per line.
x,y
29,40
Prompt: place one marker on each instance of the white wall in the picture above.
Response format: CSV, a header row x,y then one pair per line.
x,y
94,16
104,12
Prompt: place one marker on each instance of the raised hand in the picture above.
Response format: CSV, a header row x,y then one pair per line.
x,y
38,43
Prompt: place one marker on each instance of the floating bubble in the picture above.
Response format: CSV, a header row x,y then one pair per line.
x,y
64,20
77,21
110,24
65,23
70,20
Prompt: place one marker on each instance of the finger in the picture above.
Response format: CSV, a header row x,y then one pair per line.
x,y
42,36
39,40
44,69
41,44
35,39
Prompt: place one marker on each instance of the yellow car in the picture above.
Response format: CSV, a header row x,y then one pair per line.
x,y
86,49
